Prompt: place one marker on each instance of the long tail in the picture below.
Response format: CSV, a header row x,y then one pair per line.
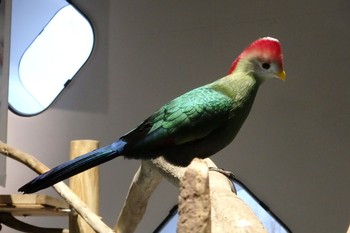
x,y
74,167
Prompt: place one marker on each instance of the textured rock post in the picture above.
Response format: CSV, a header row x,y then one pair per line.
x,y
228,212
194,199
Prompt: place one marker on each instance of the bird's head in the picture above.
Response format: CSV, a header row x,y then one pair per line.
x,y
263,59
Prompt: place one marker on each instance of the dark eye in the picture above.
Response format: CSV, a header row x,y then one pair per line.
x,y
266,66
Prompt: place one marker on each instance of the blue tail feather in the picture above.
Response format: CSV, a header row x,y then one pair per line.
x,y
74,167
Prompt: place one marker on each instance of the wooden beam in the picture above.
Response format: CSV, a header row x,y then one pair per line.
x,y
33,205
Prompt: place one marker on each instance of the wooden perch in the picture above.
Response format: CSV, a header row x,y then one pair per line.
x,y
31,205
30,161
228,212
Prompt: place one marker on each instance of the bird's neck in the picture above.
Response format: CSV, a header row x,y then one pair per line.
x,y
239,86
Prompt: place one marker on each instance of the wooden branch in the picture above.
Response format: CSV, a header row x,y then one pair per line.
x,y
30,161
144,183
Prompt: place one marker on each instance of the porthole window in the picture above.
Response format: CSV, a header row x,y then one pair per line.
x,y
50,42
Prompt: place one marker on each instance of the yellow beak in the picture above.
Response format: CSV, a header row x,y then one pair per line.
x,y
282,75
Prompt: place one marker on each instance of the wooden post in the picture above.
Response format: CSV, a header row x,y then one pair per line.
x,y
5,22
85,185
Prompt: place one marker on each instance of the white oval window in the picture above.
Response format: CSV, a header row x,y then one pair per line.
x,y
42,68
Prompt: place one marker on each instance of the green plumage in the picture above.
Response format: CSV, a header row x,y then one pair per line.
x,y
198,123
192,115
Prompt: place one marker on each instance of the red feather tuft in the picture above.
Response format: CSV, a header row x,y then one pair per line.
x,y
264,47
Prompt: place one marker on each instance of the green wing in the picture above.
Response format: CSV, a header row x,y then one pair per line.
x,y
187,118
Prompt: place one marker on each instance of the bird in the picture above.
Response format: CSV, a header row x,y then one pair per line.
x,y
196,124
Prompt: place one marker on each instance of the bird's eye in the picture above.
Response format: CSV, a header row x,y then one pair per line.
x,y
266,66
